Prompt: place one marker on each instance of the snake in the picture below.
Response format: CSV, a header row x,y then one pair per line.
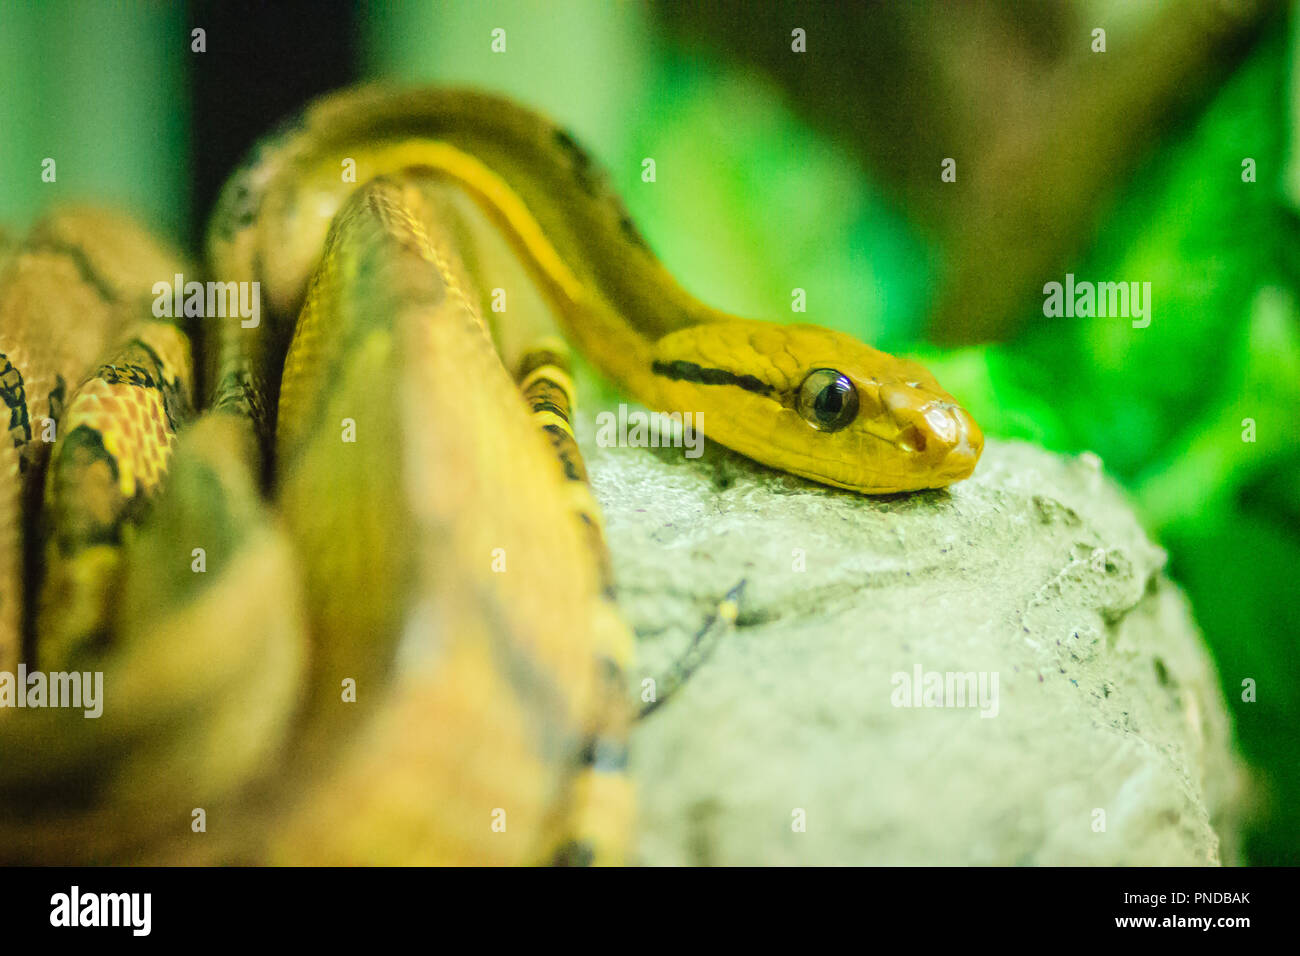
x,y
404,642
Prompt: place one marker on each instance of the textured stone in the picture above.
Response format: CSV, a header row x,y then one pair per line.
x,y
1035,570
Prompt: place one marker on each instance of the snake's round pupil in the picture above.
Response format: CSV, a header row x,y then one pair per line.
x,y
827,400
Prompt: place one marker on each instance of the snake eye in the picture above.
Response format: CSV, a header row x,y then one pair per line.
x,y
827,400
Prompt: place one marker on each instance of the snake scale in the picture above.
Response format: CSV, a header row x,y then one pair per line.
x,y
341,569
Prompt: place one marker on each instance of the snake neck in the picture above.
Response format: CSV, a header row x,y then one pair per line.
x,y
527,174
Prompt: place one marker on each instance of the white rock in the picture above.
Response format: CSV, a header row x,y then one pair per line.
x,y
1036,571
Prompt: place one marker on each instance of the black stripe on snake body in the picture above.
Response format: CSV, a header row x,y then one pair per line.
x,y
630,230
690,372
89,274
545,406
15,398
566,450
585,170
58,397
538,357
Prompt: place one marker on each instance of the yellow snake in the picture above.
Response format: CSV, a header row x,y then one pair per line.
x,y
423,594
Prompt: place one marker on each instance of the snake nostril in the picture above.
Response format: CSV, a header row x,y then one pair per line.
x,y
912,439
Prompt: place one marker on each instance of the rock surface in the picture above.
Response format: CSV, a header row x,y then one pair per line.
x,y
1106,742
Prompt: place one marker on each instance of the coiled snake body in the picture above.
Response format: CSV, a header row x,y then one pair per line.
x,y
360,609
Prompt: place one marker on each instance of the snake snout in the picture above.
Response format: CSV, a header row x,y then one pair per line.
x,y
940,435
959,461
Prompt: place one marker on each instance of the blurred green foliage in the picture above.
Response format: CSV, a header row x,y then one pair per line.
x,y
101,89
1166,406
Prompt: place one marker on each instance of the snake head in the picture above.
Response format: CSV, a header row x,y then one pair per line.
x,y
818,403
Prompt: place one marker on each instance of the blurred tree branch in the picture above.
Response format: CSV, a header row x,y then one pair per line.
x,y
1044,130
